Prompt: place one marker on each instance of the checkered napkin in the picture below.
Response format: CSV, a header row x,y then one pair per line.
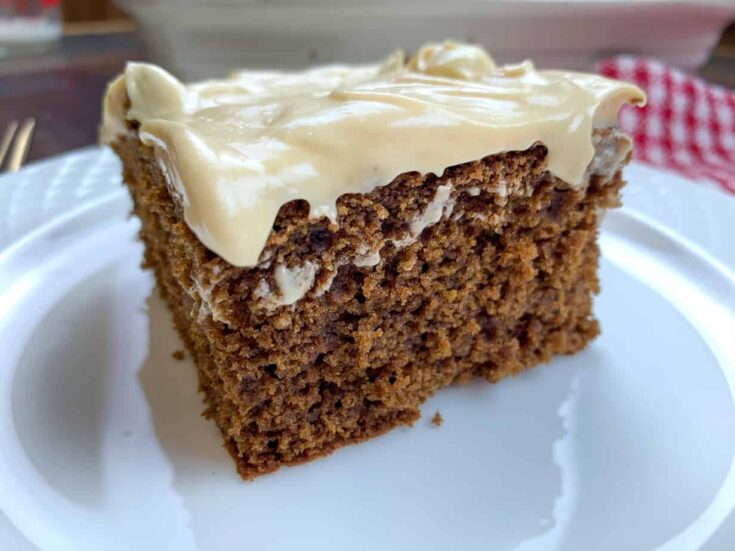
x,y
688,125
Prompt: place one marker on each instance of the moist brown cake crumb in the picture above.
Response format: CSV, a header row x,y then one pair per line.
x,y
502,283
437,420
178,355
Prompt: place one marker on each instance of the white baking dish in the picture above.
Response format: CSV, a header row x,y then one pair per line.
x,y
200,39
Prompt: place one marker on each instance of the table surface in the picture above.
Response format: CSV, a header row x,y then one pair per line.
x,y
62,88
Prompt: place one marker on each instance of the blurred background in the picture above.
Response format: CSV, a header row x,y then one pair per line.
x,y
57,55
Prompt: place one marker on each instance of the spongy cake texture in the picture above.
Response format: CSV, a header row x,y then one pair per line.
x,y
501,282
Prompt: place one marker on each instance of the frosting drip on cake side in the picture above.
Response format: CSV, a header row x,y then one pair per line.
x,y
239,149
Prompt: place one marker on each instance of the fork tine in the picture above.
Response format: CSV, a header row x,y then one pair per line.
x,y
7,138
22,145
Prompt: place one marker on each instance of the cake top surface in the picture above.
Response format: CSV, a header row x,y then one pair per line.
x,y
236,150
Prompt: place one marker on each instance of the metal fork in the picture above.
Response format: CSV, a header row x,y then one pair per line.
x,y
16,143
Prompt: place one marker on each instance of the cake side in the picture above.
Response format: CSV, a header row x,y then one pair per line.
x,y
342,330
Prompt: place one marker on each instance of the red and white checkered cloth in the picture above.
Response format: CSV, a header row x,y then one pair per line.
x,y
687,126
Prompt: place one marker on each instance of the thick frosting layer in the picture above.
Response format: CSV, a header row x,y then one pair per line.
x,y
236,150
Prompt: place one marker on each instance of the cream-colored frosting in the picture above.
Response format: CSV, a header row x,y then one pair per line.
x,y
238,149
293,284
366,258
434,210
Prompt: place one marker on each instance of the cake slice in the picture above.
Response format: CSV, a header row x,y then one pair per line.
x,y
338,244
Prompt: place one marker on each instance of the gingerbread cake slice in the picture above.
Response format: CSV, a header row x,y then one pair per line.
x,y
338,244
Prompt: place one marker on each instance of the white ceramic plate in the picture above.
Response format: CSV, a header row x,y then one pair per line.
x,y
627,445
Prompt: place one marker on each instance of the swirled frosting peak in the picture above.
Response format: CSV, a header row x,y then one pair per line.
x,y
238,149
